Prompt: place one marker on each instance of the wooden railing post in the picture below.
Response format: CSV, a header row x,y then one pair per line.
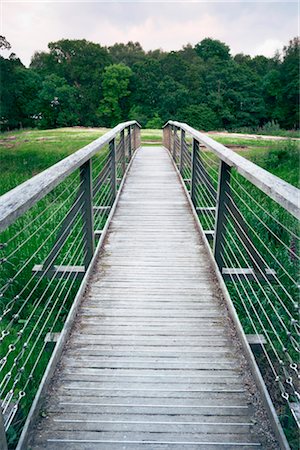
x,y
122,138
3,441
221,216
134,138
87,213
193,170
174,143
138,132
182,141
129,143
169,137
113,176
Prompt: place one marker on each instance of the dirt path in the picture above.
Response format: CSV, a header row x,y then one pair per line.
x,y
249,136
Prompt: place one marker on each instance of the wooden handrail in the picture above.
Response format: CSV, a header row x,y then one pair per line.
x,y
18,200
279,190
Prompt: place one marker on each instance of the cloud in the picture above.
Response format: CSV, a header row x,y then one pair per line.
x,y
269,47
247,27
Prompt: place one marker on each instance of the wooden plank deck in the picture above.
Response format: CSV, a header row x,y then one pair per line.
x,y
150,363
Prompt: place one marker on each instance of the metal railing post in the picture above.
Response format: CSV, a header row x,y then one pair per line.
x,y
122,138
3,441
221,216
113,176
182,140
129,143
193,177
87,213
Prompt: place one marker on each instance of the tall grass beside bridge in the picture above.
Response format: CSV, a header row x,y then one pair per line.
x,y
260,234
34,307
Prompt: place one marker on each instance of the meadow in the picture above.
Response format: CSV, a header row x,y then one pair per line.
x,y
31,309
25,153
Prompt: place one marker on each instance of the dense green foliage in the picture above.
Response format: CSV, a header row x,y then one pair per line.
x,y
82,83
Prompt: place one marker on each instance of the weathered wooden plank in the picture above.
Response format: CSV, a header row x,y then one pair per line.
x,y
115,445
150,363
126,381
155,408
68,272
89,389
145,427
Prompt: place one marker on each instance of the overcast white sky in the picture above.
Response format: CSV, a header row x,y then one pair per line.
x,y
256,27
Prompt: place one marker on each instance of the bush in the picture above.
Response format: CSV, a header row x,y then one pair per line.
x,y
155,123
201,117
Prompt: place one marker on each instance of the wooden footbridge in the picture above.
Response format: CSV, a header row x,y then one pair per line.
x,y
134,322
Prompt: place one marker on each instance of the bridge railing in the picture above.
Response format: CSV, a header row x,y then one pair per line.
x,y
50,227
250,219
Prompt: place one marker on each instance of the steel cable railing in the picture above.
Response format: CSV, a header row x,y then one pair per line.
x,y
251,221
48,231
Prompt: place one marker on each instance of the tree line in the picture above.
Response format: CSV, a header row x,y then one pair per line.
x,y
83,83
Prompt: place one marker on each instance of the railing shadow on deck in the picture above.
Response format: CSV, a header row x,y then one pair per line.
x,y
250,222
51,229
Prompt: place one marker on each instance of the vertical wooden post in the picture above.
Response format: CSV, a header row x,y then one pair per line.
x,y
113,176
193,170
87,214
129,143
138,132
182,140
122,138
165,132
134,137
169,137
221,214
174,144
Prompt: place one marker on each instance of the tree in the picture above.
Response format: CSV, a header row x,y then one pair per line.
x,y
127,54
57,103
18,99
272,92
200,116
289,71
155,123
4,44
173,97
202,84
212,48
81,63
115,90
145,81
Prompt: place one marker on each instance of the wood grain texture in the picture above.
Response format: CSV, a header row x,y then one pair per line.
x,y
279,190
150,363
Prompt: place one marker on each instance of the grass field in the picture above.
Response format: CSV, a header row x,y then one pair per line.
x,y
25,153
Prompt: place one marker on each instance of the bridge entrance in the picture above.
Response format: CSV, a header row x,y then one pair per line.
x,y
152,360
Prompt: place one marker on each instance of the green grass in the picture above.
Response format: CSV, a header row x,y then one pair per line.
x,y
33,151
32,307
272,240
270,131
281,158
25,153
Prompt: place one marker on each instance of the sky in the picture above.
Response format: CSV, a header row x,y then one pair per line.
x,y
250,27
